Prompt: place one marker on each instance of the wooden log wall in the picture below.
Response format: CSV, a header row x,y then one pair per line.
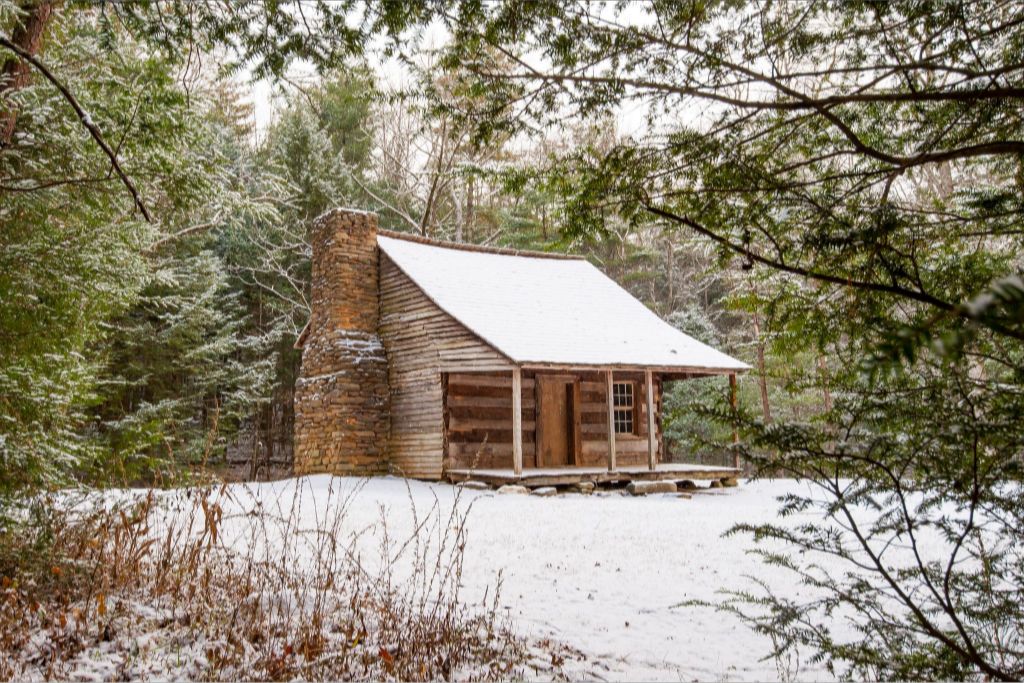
x,y
479,416
631,449
420,339
479,421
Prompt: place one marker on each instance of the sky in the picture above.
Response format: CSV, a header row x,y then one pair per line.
x,y
390,73
393,74
261,94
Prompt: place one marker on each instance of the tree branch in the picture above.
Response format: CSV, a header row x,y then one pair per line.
x,y
167,239
83,116
413,223
895,290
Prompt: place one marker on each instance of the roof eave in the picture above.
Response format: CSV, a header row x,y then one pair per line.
x,y
634,367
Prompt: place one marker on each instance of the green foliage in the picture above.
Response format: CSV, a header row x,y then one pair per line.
x,y
851,173
182,372
125,348
268,35
858,166
687,431
320,140
67,263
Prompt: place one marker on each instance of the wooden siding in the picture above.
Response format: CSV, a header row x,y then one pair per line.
x,y
420,339
479,419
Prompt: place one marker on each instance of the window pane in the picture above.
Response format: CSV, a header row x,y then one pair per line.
x,y
622,403
622,394
623,421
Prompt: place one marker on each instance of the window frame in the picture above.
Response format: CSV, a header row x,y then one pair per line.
x,y
624,414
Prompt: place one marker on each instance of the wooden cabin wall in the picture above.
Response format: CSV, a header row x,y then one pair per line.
x,y
479,419
630,449
419,339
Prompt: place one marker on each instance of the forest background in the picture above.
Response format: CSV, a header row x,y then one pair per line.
x,y
829,191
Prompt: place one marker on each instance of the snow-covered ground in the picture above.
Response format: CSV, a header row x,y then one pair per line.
x,y
604,574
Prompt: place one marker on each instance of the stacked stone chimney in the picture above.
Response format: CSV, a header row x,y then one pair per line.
x,y
341,396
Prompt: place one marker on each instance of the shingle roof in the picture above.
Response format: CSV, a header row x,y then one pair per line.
x,y
538,310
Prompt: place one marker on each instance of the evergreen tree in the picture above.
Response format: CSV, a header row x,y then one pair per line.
x,y
859,165
122,341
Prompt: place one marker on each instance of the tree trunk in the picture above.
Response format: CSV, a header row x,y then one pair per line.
x,y
254,459
762,378
14,74
460,216
671,257
652,284
827,395
470,220
271,436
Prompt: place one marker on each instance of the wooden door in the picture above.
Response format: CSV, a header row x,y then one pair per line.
x,y
555,421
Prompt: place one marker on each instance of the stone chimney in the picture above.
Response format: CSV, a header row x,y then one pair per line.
x,y
341,395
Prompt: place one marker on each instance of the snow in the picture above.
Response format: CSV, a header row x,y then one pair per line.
x,y
599,587
602,574
557,311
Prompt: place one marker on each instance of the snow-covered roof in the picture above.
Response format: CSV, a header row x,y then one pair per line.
x,y
539,310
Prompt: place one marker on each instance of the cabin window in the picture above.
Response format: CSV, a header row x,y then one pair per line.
x,y
623,402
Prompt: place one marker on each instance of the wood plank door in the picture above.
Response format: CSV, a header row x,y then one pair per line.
x,y
555,421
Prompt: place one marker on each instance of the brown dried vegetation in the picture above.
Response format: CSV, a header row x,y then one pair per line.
x,y
220,584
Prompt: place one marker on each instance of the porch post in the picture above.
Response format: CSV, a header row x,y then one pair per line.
x,y
611,421
652,447
517,421
735,432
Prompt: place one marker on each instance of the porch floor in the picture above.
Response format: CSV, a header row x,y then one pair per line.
x,y
598,475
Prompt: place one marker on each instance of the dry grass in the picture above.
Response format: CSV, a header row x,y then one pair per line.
x,y
217,584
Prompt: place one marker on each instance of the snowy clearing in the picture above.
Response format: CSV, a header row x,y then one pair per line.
x,y
602,574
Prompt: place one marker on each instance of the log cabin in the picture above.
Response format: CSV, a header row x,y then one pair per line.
x,y
435,361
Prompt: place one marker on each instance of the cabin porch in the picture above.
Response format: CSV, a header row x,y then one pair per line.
x,y
537,477
545,426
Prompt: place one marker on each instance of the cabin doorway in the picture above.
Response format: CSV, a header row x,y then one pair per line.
x,y
557,425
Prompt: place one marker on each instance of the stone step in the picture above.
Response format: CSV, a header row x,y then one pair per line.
x,y
642,488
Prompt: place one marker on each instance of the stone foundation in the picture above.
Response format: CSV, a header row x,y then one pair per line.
x,y
341,396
